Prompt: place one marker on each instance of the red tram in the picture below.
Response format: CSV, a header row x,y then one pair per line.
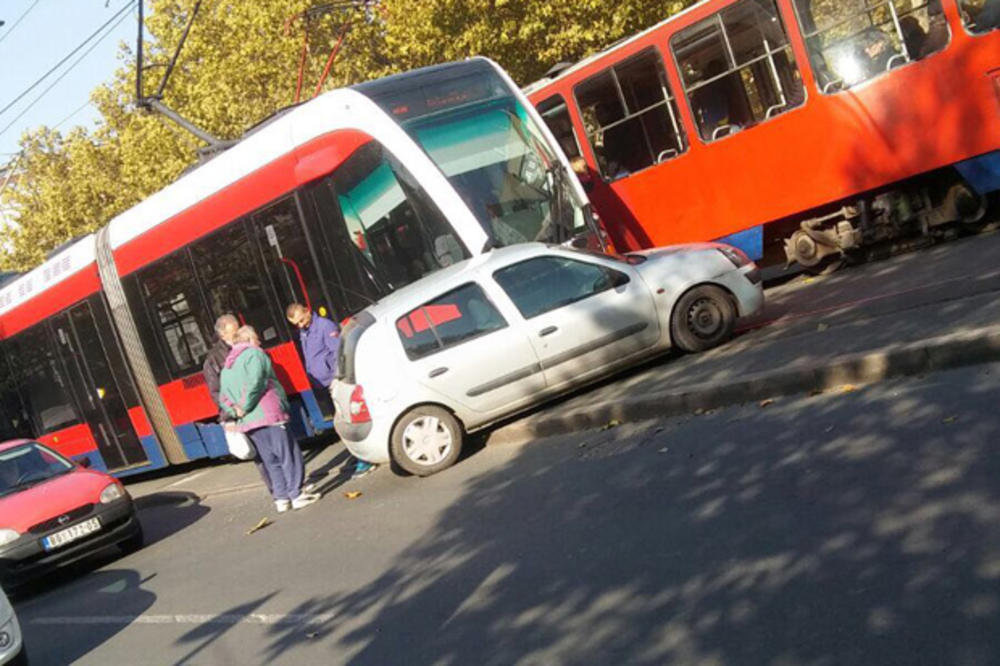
x,y
820,128
333,204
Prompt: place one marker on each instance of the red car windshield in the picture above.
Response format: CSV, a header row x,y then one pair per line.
x,y
27,465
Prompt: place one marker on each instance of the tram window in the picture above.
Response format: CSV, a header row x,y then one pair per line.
x,y
738,69
230,274
556,116
143,324
14,420
170,291
630,116
398,234
41,380
980,16
852,42
288,257
350,280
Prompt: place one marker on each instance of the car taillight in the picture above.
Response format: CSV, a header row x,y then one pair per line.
x,y
358,407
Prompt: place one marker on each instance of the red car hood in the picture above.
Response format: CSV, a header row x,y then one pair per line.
x,y
52,498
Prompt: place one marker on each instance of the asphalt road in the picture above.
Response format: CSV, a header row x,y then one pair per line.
x,y
850,528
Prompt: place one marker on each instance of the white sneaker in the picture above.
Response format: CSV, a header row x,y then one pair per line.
x,y
282,505
304,500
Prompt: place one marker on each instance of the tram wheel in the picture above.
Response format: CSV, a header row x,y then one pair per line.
x,y
828,265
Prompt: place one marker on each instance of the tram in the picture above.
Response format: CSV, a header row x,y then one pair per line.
x,y
808,131
333,203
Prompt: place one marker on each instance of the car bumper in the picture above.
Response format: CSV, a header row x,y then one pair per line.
x,y
365,441
14,654
745,285
26,558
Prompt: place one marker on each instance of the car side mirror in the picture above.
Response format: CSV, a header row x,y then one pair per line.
x,y
620,280
84,463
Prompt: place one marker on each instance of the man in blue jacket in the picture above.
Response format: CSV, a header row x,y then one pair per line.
x,y
320,341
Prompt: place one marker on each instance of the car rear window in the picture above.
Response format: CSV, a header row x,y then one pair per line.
x,y
455,317
349,337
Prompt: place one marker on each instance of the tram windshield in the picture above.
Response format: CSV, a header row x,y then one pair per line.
x,y
467,119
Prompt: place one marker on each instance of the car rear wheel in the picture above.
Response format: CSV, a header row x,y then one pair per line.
x,y
703,318
426,440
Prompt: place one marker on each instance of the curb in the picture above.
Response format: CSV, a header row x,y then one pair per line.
x,y
934,354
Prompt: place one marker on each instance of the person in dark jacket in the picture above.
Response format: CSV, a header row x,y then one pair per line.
x,y
320,341
253,397
225,330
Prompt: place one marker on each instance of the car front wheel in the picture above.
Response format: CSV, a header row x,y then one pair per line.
x,y
426,440
703,318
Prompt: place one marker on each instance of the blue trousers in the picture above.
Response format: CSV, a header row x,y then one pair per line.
x,y
281,458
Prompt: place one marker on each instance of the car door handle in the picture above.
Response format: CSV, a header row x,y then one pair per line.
x,y
548,330
437,372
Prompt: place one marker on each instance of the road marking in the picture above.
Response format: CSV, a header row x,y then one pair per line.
x,y
189,477
226,619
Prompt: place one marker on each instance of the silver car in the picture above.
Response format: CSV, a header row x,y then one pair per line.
x,y
12,651
502,332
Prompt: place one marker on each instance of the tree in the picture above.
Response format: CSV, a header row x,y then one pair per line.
x,y
239,65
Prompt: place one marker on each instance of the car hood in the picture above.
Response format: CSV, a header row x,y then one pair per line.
x,y
51,498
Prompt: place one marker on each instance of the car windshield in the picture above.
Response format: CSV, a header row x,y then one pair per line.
x,y
27,465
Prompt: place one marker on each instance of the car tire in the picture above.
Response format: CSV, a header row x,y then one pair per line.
x,y
703,318
134,542
426,440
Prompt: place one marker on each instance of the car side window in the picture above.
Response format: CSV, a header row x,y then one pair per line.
x,y
543,284
451,319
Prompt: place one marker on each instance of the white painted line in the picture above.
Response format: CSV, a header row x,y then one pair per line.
x,y
252,618
189,477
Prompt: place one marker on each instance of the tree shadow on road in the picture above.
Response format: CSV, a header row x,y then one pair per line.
x,y
750,536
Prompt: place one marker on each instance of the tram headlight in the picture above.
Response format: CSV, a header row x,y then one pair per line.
x,y
111,493
735,255
8,536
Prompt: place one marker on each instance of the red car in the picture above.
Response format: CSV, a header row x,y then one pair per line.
x,y
54,511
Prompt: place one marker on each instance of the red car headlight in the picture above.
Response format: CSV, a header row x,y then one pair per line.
x,y
111,493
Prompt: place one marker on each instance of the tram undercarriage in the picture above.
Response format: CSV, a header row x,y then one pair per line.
x,y
936,206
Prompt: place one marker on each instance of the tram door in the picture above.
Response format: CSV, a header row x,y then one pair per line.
x,y
290,261
96,388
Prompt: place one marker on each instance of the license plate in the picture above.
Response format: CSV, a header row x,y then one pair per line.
x,y
71,534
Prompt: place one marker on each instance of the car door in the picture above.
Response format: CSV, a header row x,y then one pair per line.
x,y
461,346
581,315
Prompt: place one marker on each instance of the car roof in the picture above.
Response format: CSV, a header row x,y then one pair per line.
x,y
445,279
10,444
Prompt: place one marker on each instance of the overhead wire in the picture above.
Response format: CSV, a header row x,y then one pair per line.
x,y
34,85
121,17
18,21
78,110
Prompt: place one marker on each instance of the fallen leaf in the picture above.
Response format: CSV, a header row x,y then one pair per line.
x,y
353,494
848,388
613,423
822,327
809,280
699,411
663,450
766,403
264,522
950,419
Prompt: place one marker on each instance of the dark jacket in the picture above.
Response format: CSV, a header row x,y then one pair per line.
x,y
212,368
320,347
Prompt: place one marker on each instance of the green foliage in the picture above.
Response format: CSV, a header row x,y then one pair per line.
x,y
239,65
